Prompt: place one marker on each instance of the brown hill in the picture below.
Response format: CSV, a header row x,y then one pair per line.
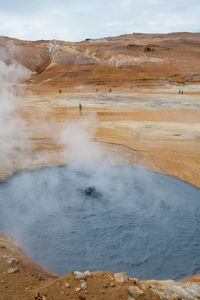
x,y
123,61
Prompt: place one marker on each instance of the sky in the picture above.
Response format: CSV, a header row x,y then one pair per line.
x,y
75,20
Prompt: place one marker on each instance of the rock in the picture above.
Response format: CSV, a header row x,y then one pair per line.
x,y
133,279
84,285
135,291
79,275
121,277
112,284
13,270
92,192
105,285
67,285
87,273
6,256
77,289
42,278
130,298
103,292
10,260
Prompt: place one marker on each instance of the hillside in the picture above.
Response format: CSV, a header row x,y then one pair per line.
x,y
123,61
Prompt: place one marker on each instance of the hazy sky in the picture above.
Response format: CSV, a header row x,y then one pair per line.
x,y
75,20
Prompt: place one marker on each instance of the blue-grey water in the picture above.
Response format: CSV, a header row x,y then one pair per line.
x,y
103,217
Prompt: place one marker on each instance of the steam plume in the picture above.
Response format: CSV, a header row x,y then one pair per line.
x,y
77,138
11,125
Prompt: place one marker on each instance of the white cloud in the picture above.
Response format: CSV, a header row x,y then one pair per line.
x,y
79,19
126,3
114,24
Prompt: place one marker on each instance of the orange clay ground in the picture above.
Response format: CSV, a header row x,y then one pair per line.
x,y
158,129
30,282
143,120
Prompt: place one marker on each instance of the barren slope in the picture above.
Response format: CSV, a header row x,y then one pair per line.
x,y
135,59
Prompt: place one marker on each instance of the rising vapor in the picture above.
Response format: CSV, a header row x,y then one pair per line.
x,y
11,124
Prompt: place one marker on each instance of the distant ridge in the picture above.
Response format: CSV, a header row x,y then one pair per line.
x,y
138,58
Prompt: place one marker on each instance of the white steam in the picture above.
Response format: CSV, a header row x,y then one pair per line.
x,y
11,72
77,138
11,125
52,46
79,146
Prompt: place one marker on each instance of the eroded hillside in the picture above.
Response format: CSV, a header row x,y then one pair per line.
x,y
124,61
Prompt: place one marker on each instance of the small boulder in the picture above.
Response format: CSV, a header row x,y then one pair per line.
x,y
79,275
77,289
135,291
13,270
135,280
10,260
84,285
112,284
67,285
87,273
121,277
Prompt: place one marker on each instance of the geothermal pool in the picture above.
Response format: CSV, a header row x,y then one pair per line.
x,y
103,217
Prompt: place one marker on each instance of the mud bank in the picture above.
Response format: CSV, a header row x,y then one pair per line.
x,y
29,281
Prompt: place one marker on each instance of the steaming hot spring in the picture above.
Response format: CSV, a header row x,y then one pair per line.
x,y
104,217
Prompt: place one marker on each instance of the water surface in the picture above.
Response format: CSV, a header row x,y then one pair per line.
x,y
103,217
